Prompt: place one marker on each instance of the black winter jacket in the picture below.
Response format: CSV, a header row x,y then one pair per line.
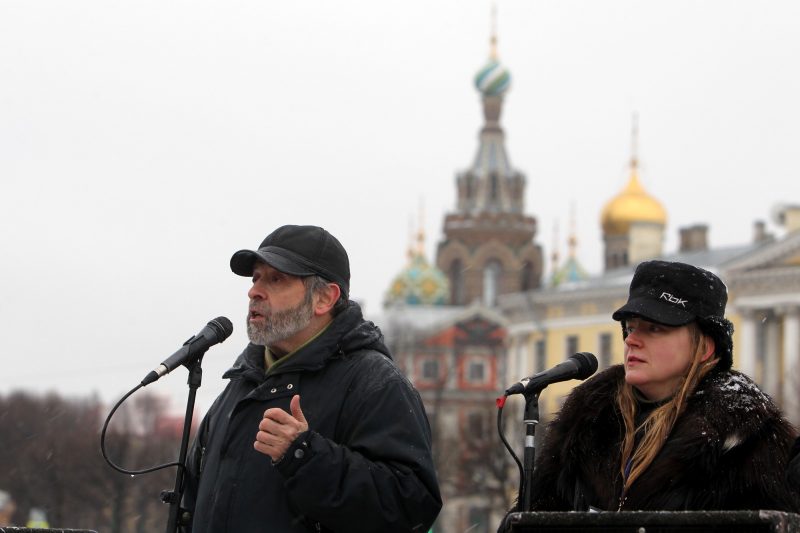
x,y
794,466
728,450
365,464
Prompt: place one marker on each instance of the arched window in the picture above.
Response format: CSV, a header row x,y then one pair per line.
x,y
456,282
493,187
526,277
491,282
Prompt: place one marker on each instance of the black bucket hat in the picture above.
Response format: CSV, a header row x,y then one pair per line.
x,y
299,251
676,294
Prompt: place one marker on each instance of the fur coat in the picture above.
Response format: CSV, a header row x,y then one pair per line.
x,y
728,450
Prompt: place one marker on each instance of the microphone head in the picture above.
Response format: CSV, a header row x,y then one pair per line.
x,y
587,364
223,328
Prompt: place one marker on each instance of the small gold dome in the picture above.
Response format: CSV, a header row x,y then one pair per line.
x,y
420,283
633,204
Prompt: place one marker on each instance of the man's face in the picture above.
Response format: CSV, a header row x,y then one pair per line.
x,y
280,308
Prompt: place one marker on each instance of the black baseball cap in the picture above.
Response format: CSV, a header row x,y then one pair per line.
x,y
673,293
299,251
676,294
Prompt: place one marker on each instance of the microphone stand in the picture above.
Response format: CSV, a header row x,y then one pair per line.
x,y
530,419
175,496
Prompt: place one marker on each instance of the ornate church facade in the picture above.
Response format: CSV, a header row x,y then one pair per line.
x,y
488,247
442,322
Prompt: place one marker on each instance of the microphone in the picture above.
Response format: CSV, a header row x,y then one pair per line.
x,y
579,366
215,332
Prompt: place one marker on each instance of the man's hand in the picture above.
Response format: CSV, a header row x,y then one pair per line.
x,y
279,429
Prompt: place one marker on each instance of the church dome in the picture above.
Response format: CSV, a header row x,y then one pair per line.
x,y
571,271
632,205
419,283
493,79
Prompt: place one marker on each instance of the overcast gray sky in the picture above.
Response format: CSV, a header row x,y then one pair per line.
x,y
142,142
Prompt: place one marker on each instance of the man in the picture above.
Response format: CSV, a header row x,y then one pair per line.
x,y
317,429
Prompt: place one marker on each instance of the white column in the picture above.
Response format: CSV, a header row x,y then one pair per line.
x,y
520,354
513,359
771,369
523,358
747,349
791,368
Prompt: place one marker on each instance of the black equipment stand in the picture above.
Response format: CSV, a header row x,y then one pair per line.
x,y
530,419
174,497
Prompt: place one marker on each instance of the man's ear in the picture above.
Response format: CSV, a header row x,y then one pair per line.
x,y
325,299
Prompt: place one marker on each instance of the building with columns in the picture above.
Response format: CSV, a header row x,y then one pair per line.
x,y
548,325
764,286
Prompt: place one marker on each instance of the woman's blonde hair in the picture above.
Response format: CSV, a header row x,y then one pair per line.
x,y
658,425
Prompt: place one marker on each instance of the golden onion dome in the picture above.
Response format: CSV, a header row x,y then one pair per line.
x,y
633,204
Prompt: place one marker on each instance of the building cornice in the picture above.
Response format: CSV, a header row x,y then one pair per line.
x,y
766,255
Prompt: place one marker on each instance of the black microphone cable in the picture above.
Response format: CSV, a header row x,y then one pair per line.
x,y
501,402
194,349
103,442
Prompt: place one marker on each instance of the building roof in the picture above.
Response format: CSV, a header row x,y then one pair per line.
x,y
399,318
618,279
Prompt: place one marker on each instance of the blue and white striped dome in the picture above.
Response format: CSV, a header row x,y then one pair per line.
x,y
493,79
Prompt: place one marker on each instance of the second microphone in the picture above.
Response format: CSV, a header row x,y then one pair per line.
x,y
578,366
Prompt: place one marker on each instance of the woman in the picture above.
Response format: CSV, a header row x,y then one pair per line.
x,y
673,427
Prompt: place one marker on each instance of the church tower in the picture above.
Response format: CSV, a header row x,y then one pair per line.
x,y
488,247
633,221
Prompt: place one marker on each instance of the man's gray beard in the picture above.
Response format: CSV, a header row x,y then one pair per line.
x,y
281,325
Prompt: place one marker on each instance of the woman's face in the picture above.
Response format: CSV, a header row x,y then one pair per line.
x,y
657,356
